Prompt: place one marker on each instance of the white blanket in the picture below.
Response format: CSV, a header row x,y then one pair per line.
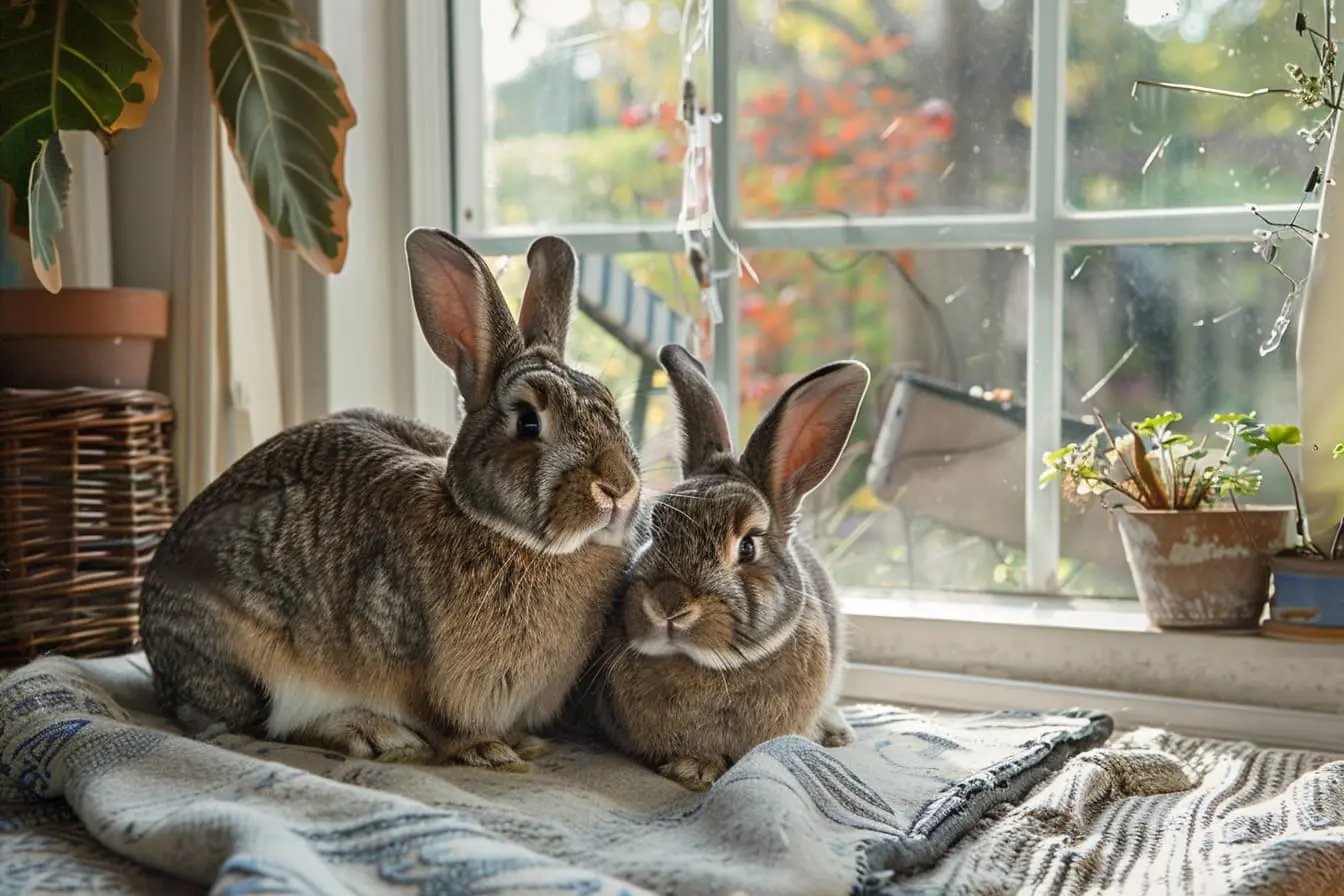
x,y
100,793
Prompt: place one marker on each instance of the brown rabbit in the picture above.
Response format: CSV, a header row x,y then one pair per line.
x,y
367,584
728,633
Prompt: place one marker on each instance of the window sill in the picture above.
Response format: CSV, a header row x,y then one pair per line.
x,y
1089,644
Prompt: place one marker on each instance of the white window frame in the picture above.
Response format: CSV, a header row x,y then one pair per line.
x,y
938,649
1046,229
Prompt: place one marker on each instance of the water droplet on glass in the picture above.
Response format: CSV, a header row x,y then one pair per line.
x,y
952,297
975,150
1078,270
1199,323
1201,149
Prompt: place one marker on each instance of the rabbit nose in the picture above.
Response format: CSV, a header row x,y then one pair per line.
x,y
670,598
616,478
682,619
602,496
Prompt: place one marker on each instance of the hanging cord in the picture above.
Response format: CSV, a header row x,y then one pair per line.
x,y
699,218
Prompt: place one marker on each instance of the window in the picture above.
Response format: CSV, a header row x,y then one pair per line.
x,y
962,193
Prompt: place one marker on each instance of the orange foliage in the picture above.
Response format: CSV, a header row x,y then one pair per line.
x,y
812,149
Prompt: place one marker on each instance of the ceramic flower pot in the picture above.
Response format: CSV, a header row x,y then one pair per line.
x,y
1203,568
1308,600
101,338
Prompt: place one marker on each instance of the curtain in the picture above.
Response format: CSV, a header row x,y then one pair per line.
x,y
1320,374
181,220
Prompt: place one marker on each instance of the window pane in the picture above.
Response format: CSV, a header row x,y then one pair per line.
x,y
938,501
1169,148
629,305
859,108
1151,328
580,111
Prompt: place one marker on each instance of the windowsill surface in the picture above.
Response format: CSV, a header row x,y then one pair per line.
x,y
1005,609
1088,643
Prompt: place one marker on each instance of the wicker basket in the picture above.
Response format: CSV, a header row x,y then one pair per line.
x,y
87,490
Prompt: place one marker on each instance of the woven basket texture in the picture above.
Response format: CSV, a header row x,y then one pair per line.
x,y
87,491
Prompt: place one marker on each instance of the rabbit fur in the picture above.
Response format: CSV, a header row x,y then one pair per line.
x,y
367,584
727,631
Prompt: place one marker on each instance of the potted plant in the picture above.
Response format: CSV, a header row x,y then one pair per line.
x,y
1196,562
286,113
1308,577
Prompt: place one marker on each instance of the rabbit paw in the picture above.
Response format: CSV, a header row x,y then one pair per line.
x,y
484,752
833,730
361,734
693,772
528,746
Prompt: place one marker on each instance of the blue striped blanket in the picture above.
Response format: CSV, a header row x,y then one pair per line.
x,y
100,793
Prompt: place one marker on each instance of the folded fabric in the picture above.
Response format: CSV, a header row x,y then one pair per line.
x,y
239,815
1154,813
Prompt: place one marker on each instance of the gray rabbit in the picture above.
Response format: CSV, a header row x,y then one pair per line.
x,y
728,632
367,584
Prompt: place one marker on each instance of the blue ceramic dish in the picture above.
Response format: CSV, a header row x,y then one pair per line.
x,y
1307,593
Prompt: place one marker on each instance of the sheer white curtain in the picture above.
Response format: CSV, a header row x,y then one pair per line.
x,y
1320,374
181,220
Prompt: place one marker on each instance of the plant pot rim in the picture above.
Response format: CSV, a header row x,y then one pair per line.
x,y
37,292
1219,508
1312,565
111,312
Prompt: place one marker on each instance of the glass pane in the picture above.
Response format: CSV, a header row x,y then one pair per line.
x,y
1169,148
1151,328
851,107
580,112
629,305
930,491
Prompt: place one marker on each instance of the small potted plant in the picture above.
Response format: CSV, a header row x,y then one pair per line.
x,y
1197,562
1308,577
282,105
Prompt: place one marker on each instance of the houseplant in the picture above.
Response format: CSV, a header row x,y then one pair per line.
x,y
1317,88
1196,562
67,66
1308,576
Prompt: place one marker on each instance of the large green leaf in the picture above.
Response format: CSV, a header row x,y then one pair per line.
x,y
287,116
48,187
68,65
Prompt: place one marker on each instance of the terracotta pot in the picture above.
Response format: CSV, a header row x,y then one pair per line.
x,y
101,338
1308,598
1198,568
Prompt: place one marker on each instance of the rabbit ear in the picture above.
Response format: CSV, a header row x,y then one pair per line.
x,y
704,428
462,312
548,300
796,446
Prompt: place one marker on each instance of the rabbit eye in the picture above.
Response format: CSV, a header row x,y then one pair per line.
x,y
529,422
746,549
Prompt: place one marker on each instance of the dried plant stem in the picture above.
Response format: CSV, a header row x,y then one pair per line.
x,y
1213,91
1250,539
1297,507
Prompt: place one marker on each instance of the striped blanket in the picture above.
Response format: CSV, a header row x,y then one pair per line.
x,y
1157,813
99,793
